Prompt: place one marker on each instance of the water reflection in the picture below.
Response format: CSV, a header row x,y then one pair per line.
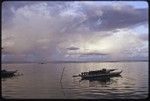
x,y
94,82
11,77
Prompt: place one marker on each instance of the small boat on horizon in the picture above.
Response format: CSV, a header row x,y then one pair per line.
x,y
104,73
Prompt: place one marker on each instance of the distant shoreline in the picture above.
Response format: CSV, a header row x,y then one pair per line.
x,y
77,61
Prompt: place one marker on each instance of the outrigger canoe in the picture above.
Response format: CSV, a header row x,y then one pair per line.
x,y
5,73
99,74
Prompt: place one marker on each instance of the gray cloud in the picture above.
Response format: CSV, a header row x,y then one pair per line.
x,y
73,48
46,29
144,37
113,18
103,18
93,53
100,18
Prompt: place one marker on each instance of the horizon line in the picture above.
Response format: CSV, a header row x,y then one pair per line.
x,y
64,61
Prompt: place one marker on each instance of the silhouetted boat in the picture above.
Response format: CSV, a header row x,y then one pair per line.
x,y
104,73
5,73
42,63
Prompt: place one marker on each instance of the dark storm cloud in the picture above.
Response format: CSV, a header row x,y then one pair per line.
x,y
112,18
93,53
98,18
103,18
73,48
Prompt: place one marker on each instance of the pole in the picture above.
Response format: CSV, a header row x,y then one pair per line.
x,y
61,82
62,74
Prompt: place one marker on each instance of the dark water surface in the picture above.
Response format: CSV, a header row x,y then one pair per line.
x,y
42,81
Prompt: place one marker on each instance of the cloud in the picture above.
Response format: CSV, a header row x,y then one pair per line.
x,y
77,14
44,30
93,53
112,17
73,48
144,36
28,28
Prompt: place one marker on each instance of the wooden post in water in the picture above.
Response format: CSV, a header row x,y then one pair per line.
x,y
61,82
62,74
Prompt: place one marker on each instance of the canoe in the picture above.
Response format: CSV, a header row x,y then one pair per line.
x,y
7,73
103,75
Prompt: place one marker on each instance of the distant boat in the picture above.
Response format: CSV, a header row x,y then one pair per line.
x,y
104,73
5,73
41,62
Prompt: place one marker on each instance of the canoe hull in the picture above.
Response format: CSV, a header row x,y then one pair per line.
x,y
108,75
8,74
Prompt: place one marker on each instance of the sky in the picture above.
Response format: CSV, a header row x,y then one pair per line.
x,y
74,30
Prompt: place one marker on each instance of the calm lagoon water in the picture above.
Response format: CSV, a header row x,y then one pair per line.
x,y
42,81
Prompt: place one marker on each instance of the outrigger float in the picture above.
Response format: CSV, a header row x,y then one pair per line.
x,y
104,73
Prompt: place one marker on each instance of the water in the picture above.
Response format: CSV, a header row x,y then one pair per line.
x,y
42,81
